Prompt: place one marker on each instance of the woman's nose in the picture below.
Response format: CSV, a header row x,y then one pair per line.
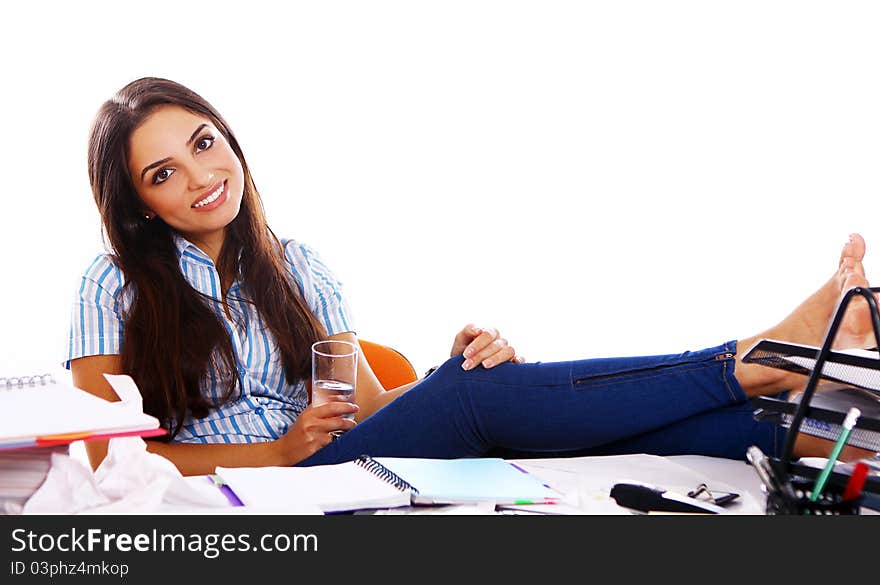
x,y
201,179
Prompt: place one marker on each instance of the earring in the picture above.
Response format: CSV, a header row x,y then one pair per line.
x,y
148,216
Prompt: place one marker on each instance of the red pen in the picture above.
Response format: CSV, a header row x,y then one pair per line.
x,y
856,481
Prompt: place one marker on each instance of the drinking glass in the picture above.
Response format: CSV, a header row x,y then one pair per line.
x,y
334,373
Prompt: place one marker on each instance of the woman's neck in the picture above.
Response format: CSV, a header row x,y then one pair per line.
x,y
210,244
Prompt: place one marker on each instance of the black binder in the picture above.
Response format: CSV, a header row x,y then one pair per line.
x,y
850,378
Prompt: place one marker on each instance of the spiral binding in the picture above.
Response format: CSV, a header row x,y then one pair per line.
x,y
385,474
8,383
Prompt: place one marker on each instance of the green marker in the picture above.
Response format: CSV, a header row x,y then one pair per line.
x,y
848,423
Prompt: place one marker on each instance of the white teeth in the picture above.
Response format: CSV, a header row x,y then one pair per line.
x,y
210,198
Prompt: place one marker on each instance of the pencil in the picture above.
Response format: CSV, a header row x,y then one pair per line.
x,y
848,423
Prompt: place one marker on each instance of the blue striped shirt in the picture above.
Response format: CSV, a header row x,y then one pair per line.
x,y
266,405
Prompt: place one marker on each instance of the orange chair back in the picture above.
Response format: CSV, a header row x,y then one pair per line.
x,y
390,366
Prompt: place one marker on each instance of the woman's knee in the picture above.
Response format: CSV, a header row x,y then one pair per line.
x,y
445,377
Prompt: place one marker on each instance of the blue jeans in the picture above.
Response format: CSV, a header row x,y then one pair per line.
x,y
668,404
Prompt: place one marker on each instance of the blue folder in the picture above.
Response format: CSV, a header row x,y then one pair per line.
x,y
461,481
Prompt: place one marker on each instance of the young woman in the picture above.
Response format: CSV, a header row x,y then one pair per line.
x,y
213,317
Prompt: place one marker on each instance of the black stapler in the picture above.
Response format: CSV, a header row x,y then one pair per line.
x,y
645,497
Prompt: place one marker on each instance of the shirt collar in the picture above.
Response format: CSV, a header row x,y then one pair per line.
x,y
189,252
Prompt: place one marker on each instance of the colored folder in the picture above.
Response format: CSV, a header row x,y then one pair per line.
x,y
47,413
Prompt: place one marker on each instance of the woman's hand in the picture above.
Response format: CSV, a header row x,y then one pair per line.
x,y
312,429
483,346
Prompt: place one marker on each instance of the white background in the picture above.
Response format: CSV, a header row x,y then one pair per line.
x,y
594,178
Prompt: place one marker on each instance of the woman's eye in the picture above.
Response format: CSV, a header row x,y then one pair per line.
x,y
162,176
204,143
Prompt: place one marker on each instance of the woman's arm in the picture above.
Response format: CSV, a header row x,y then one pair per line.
x,y
88,374
369,394
310,433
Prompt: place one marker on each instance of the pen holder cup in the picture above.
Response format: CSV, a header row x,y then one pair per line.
x,y
830,503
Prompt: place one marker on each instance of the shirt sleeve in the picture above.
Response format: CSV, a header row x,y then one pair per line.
x,y
96,322
321,289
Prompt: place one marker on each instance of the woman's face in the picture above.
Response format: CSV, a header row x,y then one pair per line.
x,y
186,173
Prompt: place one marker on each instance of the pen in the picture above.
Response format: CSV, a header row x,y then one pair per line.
x,y
777,470
856,481
546,485
770,476
848,423
527,502
226,490
756,458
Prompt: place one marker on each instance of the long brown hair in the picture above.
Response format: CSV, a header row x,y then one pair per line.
x,y
172,336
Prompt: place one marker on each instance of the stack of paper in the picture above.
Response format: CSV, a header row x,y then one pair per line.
x,y
41,419
22,472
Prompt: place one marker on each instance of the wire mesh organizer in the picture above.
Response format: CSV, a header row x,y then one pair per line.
x,y
851,378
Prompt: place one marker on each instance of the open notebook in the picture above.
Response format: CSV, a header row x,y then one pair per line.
x,y
38,411
388,482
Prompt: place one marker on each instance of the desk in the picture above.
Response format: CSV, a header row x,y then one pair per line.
x,y
578,477
585,483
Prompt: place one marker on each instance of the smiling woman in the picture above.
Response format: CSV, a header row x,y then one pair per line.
x,y
214,317
157,154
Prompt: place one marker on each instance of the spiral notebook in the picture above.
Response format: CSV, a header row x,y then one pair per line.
x,y
37,411
388,482
461,481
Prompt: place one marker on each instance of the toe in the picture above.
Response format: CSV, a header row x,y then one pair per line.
x,y
858,246
853,249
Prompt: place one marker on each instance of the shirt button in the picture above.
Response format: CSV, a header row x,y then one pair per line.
x,y
260,410
242,371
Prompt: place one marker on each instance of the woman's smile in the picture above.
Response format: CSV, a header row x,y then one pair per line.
x,y
215,198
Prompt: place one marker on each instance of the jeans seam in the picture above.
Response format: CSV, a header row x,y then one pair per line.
x,y
725,377
730,349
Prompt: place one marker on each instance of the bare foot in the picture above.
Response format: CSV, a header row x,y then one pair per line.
x,y
808,324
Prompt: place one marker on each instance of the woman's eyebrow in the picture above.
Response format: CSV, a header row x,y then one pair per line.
x,y
166,159
154,165
194,134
